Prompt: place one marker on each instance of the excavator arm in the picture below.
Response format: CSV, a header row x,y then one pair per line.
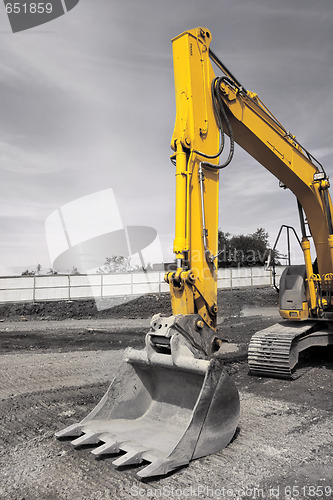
x,y
173,401
193,286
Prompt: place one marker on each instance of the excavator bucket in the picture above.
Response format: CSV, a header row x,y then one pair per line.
x,y
170,403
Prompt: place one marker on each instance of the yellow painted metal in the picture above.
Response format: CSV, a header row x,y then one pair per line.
x,y
195,130
264,139
296,314
181,242
330,245
257,131
309,273
181,292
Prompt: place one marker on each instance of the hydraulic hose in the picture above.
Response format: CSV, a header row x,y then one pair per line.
x,y
220,115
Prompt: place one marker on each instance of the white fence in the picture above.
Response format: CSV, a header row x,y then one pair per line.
x,y
99,286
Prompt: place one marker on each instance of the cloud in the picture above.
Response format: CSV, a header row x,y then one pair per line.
x,y
88,103
20,159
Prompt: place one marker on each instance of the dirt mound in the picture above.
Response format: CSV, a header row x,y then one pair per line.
x,y
230,302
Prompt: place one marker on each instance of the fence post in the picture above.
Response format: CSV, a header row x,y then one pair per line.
x,y
102,282
34,290
231,278
69,287
251,277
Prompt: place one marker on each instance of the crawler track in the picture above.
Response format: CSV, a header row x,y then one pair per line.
x,y
274,351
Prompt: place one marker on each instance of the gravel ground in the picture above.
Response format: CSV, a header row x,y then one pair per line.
x,y
58,360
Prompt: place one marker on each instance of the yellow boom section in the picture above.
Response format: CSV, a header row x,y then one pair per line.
x,y
278,152
256,130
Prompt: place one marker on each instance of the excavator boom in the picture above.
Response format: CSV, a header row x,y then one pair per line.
x,y
305,291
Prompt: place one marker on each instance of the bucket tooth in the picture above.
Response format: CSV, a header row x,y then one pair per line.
x,y
159,467
131,457
88,438
107,448
71,430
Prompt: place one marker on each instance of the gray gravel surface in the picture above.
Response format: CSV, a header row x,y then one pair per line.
x,y
282,448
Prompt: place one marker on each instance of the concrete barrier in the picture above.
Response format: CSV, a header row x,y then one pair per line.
x,y
72,287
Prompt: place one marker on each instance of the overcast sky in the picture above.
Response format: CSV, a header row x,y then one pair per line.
x,y
87,103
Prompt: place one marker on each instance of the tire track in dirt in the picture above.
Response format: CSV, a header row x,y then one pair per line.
x,y
29,373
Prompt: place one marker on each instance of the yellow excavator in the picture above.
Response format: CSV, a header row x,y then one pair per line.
x,y
173,401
